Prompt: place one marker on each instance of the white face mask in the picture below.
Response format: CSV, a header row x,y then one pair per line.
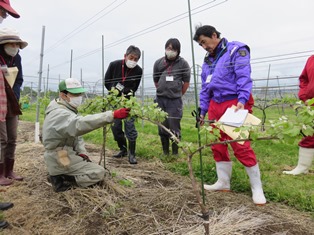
x,y
171,54
75,101
130,64
12,51
1,19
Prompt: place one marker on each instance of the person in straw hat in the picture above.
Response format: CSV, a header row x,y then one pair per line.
x,y
10,85
5,9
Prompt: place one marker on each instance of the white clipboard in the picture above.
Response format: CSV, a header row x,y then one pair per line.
x,y
229,130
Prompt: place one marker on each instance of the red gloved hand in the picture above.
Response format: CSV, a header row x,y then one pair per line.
x,y
121,113
85,157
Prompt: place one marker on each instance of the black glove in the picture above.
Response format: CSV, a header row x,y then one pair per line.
x,y
197,115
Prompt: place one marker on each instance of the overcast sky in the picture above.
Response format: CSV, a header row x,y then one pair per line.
x,y
279,32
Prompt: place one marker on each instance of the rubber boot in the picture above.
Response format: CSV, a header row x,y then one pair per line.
x,y
224,170
123,151
256,184
58,183
5,206
132,159
304,163
3,180
175,148
9,173
3,224
70,179
165,144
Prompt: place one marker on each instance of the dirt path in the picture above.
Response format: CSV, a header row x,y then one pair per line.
x,y
135,199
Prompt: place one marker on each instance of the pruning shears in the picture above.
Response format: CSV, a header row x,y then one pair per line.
x,y
197,115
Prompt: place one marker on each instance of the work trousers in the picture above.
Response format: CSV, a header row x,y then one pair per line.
x,y
85,173
174,108
129,129
307,142
243,152
8,136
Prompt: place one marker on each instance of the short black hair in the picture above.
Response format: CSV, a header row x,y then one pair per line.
x,y
206,30
133,50
175,43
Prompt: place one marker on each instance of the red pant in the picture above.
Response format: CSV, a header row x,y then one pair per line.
x,y
307,142
244,153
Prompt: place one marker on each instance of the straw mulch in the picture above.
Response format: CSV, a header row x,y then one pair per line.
x,y
140,199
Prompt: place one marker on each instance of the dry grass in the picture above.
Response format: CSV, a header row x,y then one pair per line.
x,y
155,201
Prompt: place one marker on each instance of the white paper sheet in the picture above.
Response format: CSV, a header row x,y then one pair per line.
x,y
233,118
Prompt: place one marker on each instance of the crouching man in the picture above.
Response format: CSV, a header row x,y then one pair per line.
x,y
65,154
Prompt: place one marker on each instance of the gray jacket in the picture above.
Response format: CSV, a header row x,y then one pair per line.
x,y
62,129
180,72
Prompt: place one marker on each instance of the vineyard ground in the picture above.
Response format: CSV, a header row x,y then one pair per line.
x,y
134,199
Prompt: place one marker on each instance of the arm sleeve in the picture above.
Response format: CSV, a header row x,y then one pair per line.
x,y
304,80
204,99
80,125
108,77
242,70
156,72
303,83
80,146
186,76
19,78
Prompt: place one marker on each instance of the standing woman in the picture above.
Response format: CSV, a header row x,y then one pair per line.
x,y
172,79
11,80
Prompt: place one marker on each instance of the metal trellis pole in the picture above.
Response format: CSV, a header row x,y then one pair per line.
x,y
39,86
196,103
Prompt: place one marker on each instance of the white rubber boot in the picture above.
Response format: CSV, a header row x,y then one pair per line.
x,y
256,184
304,163
224,170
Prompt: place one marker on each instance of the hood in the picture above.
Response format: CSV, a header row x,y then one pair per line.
x,y
55,104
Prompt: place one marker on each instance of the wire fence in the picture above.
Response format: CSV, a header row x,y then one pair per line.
x,y
265,89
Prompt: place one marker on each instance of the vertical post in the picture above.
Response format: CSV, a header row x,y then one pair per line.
x,y
196,102
47,80
31,93
44,85
104,130
71,63
142,84
39,85
81,76
266,90
103,65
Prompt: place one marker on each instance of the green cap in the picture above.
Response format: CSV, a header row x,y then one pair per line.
x,y
71,85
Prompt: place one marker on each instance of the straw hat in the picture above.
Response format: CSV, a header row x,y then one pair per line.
x,y
10,35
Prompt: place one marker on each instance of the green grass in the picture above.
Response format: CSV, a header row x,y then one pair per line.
x,y
273,157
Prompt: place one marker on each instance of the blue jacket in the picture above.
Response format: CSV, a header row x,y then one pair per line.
x,y
226,75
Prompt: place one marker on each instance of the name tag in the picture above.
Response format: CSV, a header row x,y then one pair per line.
x,y
209,77
119,86
169,78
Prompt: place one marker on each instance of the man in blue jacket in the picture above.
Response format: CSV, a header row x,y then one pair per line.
x,y
226,81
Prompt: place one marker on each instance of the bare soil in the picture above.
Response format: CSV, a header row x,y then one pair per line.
x,y
134,199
